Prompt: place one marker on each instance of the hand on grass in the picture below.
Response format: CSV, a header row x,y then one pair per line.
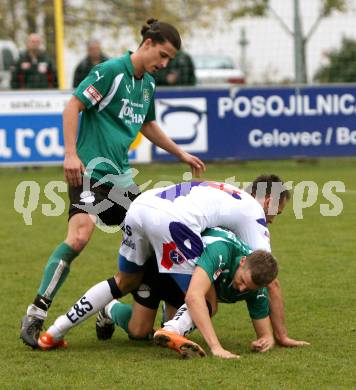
x,y
262,344
290,343
223,353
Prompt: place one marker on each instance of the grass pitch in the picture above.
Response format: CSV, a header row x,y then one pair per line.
x,y
317,258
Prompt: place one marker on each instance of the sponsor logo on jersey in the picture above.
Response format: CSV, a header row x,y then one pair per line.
x,y
127,112
220,271
87,197
217,273
92,94
128,230
128,242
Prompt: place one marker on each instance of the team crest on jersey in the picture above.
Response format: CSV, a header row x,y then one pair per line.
x,y
171,255
146,95
175,257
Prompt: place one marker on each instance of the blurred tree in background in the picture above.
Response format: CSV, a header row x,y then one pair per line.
x,y
18,18
341,64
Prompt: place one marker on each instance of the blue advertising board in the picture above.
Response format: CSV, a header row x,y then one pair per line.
x,y
260,123
31,138
242,123
31,127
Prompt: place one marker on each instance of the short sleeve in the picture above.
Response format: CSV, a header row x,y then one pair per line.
x,y
214,258
151,113
258,304
96,85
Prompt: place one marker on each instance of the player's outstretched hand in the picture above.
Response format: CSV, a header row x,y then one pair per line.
x,y
290,343
262,344
223,353
197,166
73,170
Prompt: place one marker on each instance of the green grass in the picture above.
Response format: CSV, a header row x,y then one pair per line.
x,y
317,269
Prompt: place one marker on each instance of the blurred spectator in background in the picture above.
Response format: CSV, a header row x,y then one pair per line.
x,y
34,69
180,71
94,57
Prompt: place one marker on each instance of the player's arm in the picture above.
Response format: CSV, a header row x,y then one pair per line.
x,y
154,133
89,94
73,167
195,300
278,319
264,334
253,230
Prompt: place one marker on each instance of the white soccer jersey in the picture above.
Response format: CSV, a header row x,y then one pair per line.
x,y
169,221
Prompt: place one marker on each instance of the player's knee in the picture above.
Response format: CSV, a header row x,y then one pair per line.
x,y
140,332
127,282
79,238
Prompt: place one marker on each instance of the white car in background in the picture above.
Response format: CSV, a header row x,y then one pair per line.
x,y
215,69
8,55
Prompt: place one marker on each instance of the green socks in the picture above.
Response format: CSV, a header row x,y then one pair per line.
x,y
121,313
56,270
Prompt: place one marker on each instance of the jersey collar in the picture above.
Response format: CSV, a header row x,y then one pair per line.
x,y
128,63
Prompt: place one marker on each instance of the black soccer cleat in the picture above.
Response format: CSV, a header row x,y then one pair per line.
x,y
30,330
104,326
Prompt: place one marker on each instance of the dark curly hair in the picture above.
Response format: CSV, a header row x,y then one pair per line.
x,y
160,32
267,185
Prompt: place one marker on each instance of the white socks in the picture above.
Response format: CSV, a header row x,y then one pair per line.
x,y
181,323
90,303
109,306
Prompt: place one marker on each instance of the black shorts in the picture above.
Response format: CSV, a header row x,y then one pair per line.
x,y
108,203
156,287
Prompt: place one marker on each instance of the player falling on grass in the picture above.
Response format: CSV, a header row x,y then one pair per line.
x,y
116,101
168,222
227,265
238,274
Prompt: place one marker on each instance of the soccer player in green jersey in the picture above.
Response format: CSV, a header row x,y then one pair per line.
x,y
237,274
116,101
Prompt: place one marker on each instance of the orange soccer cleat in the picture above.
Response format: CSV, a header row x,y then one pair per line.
x,y
47,342
185,347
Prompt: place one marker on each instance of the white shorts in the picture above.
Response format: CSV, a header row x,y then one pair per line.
x,y
173,237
